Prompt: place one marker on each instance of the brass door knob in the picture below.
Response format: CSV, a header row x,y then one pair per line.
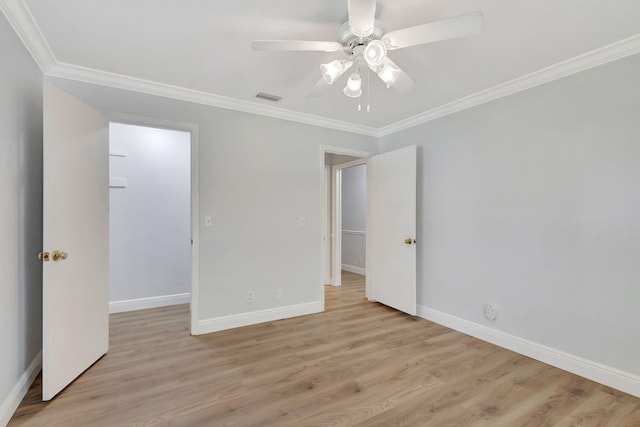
x,y
409,241
59,255
43,256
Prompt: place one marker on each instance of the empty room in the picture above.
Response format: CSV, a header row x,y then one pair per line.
x,y
374,213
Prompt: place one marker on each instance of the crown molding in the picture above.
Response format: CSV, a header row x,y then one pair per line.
x,y
24,25
119,81
601,56
26,28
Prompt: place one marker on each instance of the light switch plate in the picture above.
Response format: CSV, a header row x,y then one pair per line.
x,y
208,222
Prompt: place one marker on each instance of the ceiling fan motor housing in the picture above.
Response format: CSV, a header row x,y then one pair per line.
x,y
350,41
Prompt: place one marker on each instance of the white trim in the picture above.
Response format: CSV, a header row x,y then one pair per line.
x,y
23,23
594,58
27,30
120,81
336,226
255,317
195,229
19,390
344,151
326,229
354,232
598,372
356,162
603,55
354,269
150,302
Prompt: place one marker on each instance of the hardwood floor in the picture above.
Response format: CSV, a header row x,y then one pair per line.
x,y
357,364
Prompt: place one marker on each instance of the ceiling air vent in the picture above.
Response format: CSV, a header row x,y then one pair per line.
x,y
268,97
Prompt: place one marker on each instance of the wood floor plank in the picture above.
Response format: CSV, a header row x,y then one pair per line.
x,y
359,363
601,408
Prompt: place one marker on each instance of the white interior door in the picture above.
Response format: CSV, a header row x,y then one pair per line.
x,y
391,229
76,223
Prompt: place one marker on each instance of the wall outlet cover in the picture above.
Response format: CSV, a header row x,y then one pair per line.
x,y
490,312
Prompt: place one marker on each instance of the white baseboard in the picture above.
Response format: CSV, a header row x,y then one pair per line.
x,y
19,390
354,269
598,372
251,318
151,302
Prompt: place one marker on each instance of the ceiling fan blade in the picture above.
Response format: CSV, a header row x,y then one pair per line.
x,y
362,14
296,45
403,83
434,31
319,88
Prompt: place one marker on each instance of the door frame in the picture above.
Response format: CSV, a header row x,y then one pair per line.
x,y
326,224
194,130
331,149
336,218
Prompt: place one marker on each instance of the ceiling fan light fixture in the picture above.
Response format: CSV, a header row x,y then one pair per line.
x,y
334,69
388,74
354,86
375,53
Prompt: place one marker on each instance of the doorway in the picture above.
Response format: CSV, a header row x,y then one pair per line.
x,y
335,161
390,211
149,217
170,297
349,213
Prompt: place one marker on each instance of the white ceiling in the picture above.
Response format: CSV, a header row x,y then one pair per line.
x,y
204,45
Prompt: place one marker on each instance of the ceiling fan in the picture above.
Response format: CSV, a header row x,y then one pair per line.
x,y
365,44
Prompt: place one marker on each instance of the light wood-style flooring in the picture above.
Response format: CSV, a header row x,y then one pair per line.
x,y
357,364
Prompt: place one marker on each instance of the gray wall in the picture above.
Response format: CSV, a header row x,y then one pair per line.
x,y
258,176
149,219
20,209
354,198
532,202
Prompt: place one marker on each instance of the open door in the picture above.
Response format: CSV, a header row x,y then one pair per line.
x,y
391,229
75,239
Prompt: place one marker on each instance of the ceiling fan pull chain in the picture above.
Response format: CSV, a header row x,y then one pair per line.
x,y
368,90
359,97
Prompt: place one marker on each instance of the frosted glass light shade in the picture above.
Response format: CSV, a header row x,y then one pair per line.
x,y
334,69
375,53
389,74
354,86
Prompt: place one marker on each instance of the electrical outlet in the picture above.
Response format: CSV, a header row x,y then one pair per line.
x,y
250,296
490,312
279,294
302,221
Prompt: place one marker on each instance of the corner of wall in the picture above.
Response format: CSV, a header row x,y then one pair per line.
x,y
252,318
19,390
